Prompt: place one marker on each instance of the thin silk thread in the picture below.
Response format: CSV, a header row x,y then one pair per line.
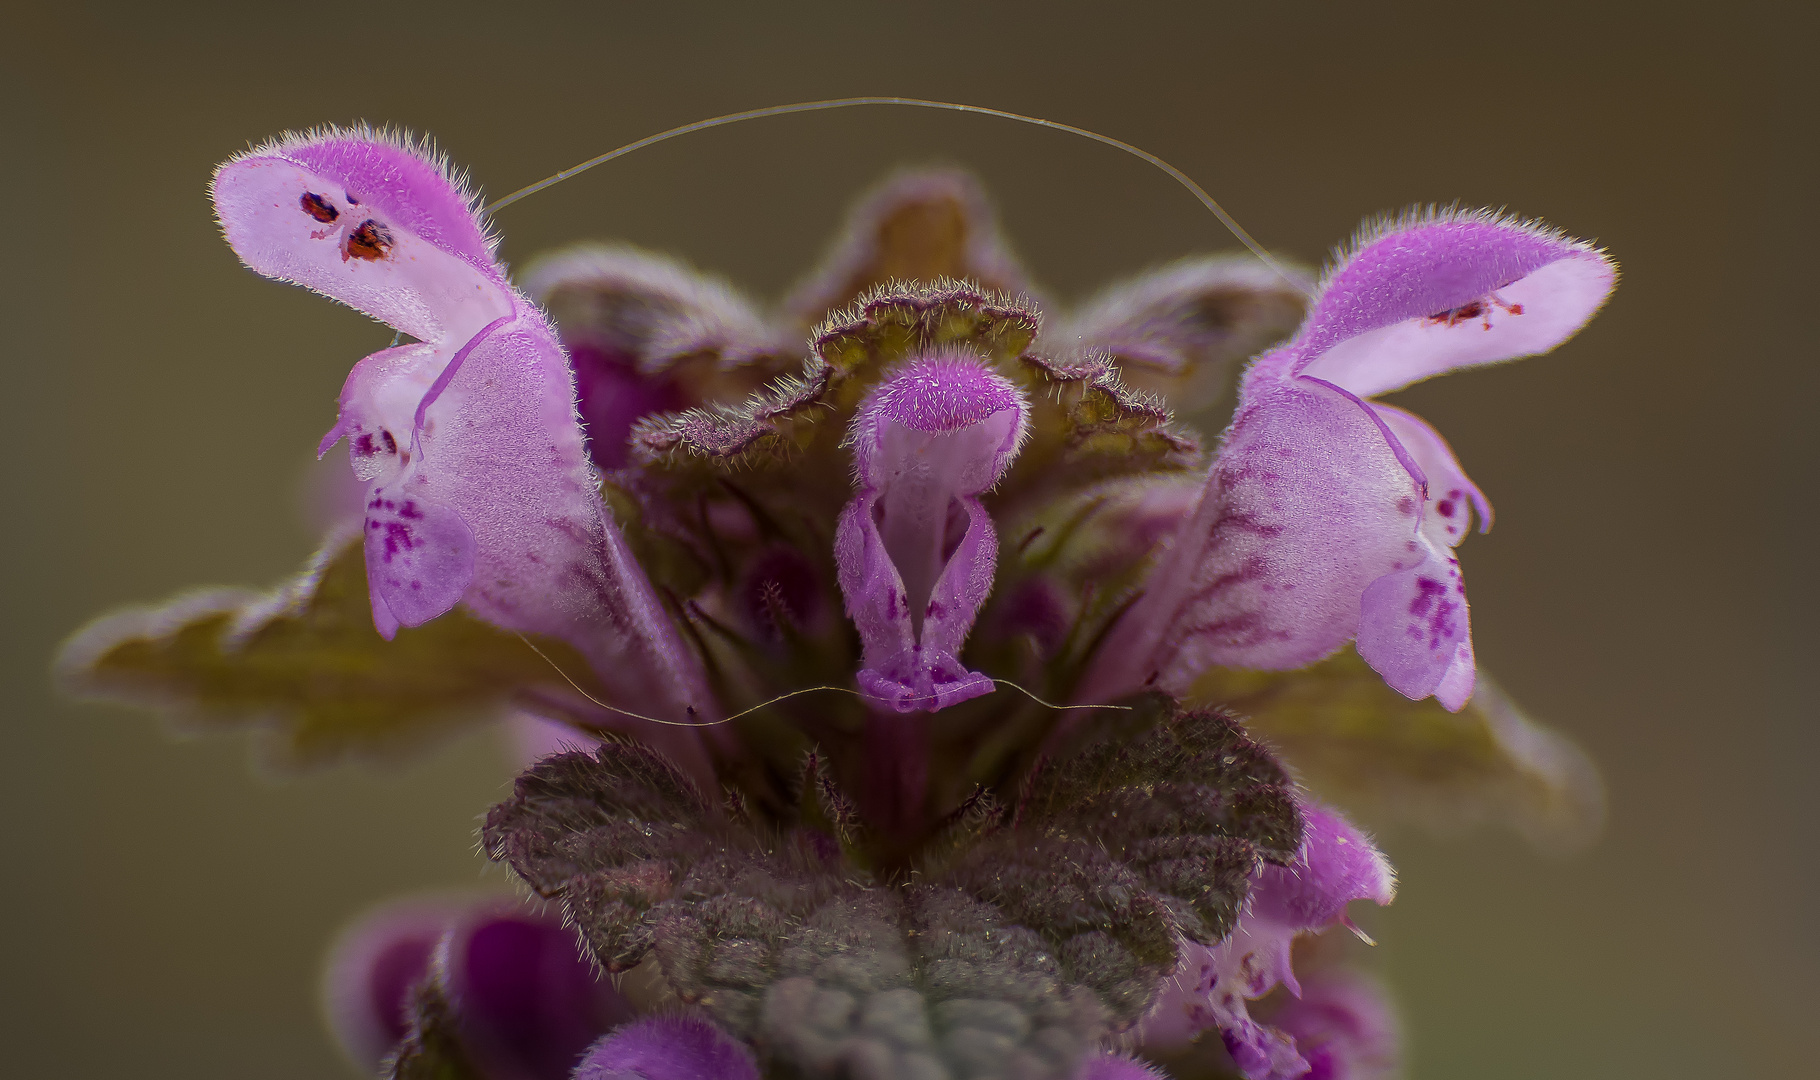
x,y
767,704
1174,173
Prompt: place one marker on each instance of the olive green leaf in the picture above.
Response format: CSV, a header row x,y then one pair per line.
x,y
303,668
1355,741
1032,932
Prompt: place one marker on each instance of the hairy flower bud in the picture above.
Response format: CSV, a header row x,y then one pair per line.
x,y
915,546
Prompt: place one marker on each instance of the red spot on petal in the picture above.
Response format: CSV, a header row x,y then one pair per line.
x,y
370,242
318,207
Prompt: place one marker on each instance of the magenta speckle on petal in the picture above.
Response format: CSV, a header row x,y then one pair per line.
x,y
1427,590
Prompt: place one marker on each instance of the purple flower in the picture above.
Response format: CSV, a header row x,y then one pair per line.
x,y
1343,1026
667,1048
480,488
525,999
1212,984
916,548
1327,516
366,984
640,527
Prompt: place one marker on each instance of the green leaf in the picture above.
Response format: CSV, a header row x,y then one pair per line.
x,y
1087,421
1013,953
1360,744
610,834
303,668
1182,800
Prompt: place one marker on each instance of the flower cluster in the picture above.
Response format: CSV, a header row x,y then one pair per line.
x,y
931,702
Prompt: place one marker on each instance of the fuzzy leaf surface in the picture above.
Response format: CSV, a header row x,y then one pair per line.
x,y
303,667
1362,745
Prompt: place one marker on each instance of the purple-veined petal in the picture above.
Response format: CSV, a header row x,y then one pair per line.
x,y
369,220
1212,985
1414,625
916,549
501,447
1427,294
527,998
668,1048
1307,504
366,984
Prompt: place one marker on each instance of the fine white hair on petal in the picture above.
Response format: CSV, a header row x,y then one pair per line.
x,y
1378,226
865,423
422,147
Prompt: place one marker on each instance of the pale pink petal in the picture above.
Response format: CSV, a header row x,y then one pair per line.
x,y
482,490
1459,680
502,448
1209,990
1344,1026
1337,864
1415,625
1432,293
1307,505
1452,496
420,557
369,220
1420,296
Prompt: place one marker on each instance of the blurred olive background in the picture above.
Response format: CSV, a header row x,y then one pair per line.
x,y
1647,589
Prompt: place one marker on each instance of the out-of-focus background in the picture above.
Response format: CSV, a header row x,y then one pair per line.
x,y
1648,588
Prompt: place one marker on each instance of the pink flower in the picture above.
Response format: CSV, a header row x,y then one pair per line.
x,y
668,1048
916,548
525,998
1327,516
480,489
1212,984
645,524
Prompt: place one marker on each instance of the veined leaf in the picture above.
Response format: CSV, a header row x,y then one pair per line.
x,y
1357,742
303,668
